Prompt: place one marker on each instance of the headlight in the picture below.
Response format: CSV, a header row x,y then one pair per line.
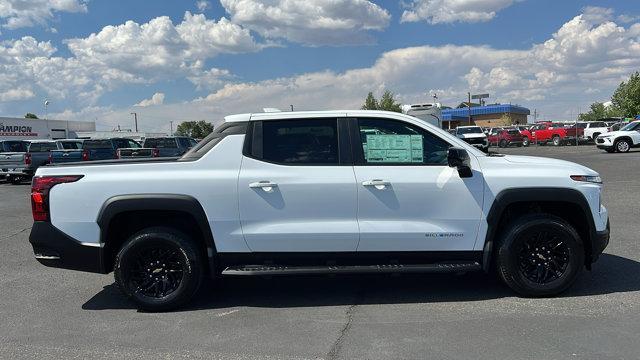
x,y
587,178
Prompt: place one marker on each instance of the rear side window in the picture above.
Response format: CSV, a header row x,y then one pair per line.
x,y
297,142
97,144
14,146
209,142
161,143
42,147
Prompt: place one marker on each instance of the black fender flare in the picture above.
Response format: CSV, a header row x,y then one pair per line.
x,y
173,202
537,194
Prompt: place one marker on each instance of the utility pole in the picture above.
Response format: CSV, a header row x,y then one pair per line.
x,y
171,133
469,105
135,119
291,108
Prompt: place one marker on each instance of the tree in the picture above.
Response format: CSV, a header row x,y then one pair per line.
x,y
387,102
599,111
370,103
30,116
194,129
626,98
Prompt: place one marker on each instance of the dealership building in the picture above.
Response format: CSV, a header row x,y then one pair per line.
x,y
39,129
495,115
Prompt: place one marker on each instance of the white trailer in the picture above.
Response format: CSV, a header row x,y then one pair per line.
x,y
430,113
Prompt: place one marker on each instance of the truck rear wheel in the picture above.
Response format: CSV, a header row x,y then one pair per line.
x,y
502,143
159,269
540,255
556,140
525,141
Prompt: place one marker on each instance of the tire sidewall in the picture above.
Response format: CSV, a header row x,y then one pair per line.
x,y
509,251
618,144
192,267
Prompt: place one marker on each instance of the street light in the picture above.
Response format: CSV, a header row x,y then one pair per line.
x,y
46,108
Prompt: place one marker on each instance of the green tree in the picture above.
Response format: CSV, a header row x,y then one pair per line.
x,y
388,103
626,98
30,116
194,129
599,111
370,103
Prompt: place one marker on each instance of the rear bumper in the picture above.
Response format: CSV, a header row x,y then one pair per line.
x,y
54,248
16,170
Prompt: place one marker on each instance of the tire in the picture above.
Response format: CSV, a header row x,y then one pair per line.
x,y
156,245
543,271
525,141
15,180
556,140
594,137
502,143
622,145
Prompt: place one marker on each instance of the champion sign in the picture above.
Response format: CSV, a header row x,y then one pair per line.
x,y
16,130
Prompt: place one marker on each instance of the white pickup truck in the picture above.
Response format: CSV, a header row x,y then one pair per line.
x,y
319,192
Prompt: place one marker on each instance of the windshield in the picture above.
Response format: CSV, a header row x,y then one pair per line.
x,y
631,126
470,130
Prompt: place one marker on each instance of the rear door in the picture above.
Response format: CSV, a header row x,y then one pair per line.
x,y
409,199
296,187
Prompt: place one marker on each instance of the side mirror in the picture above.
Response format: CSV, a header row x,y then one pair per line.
x,y
459,158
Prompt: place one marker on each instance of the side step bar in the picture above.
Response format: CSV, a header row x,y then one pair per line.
x,y
350,269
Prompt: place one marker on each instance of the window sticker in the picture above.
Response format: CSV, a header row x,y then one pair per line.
x,y
393,149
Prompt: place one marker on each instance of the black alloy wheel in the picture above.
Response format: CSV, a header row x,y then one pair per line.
x,y
544,257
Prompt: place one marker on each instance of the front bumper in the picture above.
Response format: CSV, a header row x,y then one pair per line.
x,y
599,242
54,248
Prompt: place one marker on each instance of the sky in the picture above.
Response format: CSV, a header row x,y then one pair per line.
x,y
182,60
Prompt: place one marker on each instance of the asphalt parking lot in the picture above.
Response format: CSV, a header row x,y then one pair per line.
x,y
54,313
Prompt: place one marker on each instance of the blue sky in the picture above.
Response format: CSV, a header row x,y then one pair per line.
x,y
104,59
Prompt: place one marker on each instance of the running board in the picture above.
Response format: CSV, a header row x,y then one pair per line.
x,y
351,269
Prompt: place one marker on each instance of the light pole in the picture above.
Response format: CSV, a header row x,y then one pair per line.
x,y
135,119
46,109
171,124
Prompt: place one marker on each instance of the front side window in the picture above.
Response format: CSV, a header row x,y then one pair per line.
x,y
392,142
299,142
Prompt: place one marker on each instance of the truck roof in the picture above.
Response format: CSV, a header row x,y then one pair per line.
x,y
307,114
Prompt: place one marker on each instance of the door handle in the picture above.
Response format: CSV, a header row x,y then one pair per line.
x,y
377,183
267,186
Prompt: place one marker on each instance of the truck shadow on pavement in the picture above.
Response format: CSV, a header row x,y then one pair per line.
x,y
611,274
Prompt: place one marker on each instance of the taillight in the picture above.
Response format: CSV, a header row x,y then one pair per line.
x,y
155,152
27,159
40,187
85,155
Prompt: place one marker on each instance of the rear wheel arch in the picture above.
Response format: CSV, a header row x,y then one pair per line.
x,y
124,215
510,204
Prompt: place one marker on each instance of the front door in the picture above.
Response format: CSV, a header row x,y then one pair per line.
x,y
295,192
408,198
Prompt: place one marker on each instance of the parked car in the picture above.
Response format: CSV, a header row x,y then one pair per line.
x,y
93,149
504,137
11,152
21,166
622,140
281,193
592,129
473,135
171,145
556,133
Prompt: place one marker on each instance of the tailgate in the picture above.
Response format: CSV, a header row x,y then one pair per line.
x,y
126,153
62,156
11,160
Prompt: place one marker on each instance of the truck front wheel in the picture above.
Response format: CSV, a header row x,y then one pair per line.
x,y
556,140
159,269
540,255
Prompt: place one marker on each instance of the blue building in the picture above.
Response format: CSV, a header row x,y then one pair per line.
x,y
485,116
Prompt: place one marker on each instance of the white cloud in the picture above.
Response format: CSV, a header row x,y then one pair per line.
x,y
310,22
25,13
202,5
449,11
156,99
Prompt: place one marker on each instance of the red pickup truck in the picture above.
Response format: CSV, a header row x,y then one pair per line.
x,y
556,133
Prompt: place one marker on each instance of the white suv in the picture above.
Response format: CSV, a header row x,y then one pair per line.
x,y
592,129
622,140
319,192
474,136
